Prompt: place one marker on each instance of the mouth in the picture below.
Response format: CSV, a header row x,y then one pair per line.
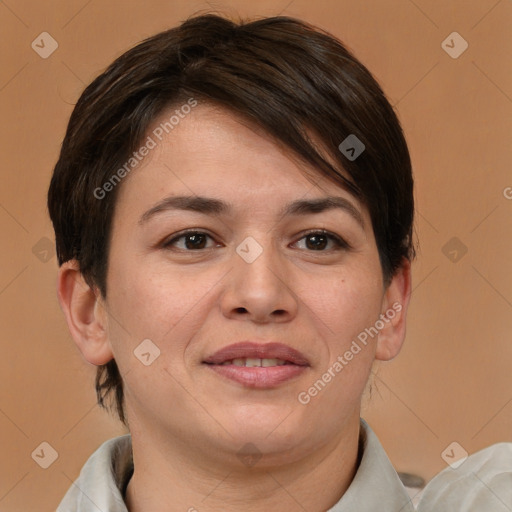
x,y
252,362
256,365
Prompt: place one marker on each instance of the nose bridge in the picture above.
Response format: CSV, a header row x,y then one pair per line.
x,y
259,263
258,284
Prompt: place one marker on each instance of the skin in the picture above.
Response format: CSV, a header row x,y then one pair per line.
x,y
187,422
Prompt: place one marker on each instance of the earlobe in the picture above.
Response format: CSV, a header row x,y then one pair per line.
x,y
85,314
394,313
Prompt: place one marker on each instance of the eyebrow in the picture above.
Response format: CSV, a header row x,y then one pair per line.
x,y
216,207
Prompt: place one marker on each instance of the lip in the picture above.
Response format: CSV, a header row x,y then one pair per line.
x,y
251,349
256,376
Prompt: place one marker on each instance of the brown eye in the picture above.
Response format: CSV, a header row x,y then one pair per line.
x,y
316,242
320,240
193,240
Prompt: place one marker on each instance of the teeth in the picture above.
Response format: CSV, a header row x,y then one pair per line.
x,y
250,362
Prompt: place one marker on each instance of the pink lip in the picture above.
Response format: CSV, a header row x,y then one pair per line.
x,y
258,377
258,351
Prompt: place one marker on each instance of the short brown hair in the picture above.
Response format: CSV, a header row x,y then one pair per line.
x,y
281,73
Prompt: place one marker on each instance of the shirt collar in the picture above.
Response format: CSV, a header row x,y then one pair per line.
x,y
376,485
103,480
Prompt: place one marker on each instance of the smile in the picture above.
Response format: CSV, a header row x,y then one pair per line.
x,y
251,362
258,365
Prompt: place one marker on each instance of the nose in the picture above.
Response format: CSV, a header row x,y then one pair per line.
x,y
260,290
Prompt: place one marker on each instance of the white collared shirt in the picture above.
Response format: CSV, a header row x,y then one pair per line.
x,y
482,483
103,479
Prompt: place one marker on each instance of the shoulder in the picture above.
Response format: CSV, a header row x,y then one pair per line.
x,y
482,482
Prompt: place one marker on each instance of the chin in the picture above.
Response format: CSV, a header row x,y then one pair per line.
x,y
269,426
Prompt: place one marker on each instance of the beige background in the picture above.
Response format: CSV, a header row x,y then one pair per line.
x,y
452,382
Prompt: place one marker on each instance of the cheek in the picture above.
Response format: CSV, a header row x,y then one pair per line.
x,y
343,305
164,306
344,310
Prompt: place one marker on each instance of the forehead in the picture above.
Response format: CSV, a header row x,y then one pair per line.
x,y
211,151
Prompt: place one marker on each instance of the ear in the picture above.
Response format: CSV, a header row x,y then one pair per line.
x,y
394,312
85,314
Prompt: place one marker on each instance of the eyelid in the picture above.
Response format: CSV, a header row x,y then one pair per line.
x,y
340,242
168,241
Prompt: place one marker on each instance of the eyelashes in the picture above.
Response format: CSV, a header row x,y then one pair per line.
x,y
196,236
197,241
322,235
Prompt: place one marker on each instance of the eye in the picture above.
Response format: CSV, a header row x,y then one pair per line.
x,y
189,241
320,240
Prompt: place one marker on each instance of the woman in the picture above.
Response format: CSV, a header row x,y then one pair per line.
x,y
233,208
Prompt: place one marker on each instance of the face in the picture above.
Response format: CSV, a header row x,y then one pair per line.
x,y
255,272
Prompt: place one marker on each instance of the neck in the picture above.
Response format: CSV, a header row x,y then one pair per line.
x,y
177,475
